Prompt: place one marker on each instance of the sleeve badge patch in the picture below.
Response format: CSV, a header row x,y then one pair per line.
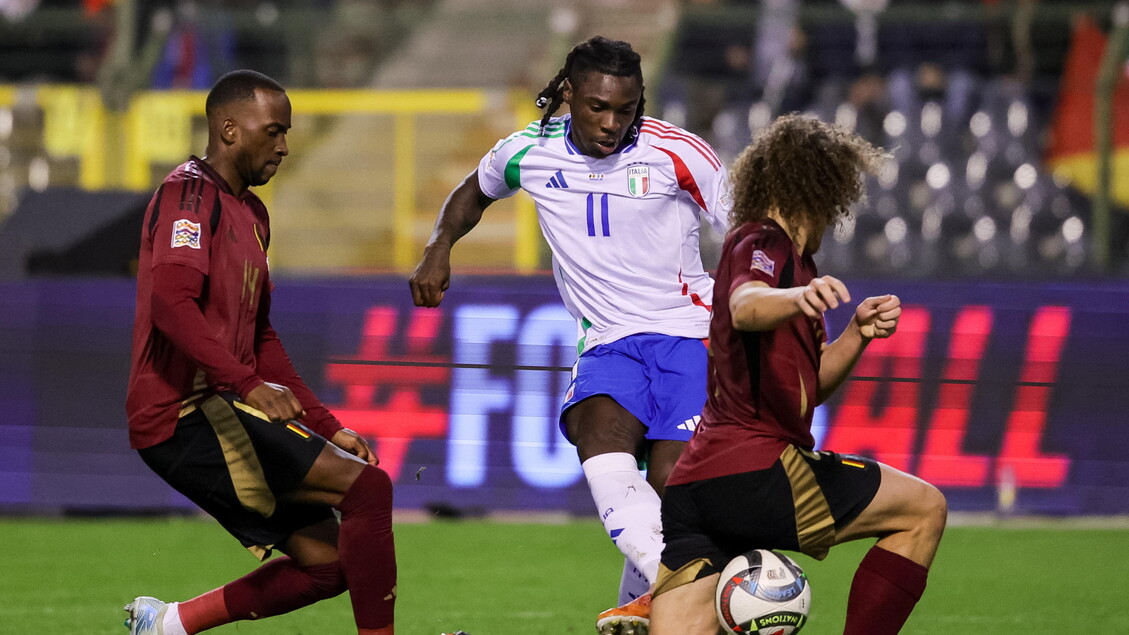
x,y
185,233
761,262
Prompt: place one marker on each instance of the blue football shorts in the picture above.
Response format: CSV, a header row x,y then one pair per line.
x,y
661,379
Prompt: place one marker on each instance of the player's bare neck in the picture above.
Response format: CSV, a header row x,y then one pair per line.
x,y
227,172
798,234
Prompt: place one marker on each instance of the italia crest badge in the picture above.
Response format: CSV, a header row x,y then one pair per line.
x,y
638,180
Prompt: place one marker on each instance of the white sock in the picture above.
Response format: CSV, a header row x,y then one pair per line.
x,y
632,584
629,508
171,624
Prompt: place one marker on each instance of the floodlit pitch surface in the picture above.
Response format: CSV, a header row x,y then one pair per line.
x,y
505,578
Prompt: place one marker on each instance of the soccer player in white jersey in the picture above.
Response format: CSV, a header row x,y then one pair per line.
x,y
620,198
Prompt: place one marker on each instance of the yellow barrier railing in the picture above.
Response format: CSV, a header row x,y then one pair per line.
x,y
133,149
7,96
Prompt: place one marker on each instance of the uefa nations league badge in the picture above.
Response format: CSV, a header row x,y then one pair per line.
x,y
638,180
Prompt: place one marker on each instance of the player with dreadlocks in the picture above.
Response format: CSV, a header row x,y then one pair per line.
x,y
620,198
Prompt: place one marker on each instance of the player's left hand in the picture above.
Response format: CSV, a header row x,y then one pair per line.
x,y
877,317
354,444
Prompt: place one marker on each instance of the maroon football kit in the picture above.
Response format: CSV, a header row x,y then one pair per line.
x,y
203,245
749,476
762,385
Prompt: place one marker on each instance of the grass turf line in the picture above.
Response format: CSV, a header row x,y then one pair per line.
x,y
491,578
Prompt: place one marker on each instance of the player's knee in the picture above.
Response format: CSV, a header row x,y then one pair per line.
x,y
375,482
934,511
383,481
616,435
326,581
598,425
371,491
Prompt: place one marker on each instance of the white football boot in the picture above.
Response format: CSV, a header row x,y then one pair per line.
x,y
145,616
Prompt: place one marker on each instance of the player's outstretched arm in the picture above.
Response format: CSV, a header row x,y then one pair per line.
x,y
755,306
875,317
460,213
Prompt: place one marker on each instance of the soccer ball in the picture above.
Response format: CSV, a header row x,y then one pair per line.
x,y
763,592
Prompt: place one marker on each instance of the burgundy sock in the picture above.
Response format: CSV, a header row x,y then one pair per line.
x,y
276,587
367,551
884,591
204,612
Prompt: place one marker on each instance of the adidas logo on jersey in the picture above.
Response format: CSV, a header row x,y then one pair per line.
x,y
557,180
690,423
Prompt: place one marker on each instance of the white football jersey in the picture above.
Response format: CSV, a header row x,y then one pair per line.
x,y
623,229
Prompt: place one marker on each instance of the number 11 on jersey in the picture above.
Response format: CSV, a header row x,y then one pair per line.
x,y
603,215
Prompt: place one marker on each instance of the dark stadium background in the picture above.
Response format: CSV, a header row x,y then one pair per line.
x,y
988,222
1000,221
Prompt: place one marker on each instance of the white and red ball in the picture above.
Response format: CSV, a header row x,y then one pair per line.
x,y
763,592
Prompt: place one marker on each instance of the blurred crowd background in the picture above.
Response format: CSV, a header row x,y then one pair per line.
x,y
998,114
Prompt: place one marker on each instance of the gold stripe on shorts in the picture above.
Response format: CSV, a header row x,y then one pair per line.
x,y
262,552
242,462
687,573
251,410
188,405
815,527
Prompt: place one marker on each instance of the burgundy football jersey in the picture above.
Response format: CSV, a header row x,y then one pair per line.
x,y
762,385
195,220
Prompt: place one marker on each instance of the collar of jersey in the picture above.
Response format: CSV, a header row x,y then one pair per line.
x,y
213,175
572,149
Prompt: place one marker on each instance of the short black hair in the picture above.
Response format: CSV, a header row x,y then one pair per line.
x,y
238,85
598,54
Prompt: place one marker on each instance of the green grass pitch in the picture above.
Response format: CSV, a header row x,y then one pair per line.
x,y
496,578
